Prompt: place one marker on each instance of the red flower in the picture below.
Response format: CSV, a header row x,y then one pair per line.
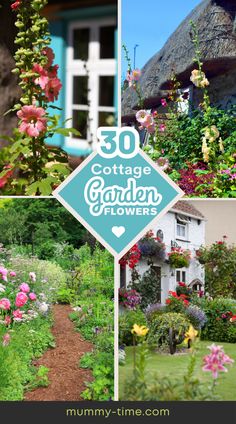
x,y
182,284
16,5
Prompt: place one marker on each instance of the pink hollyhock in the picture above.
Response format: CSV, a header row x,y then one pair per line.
x,y
16,5
136,74
215,361
43,78
129,78
162,127
12,274
24,288
18,315
7,320
32,276
142,116
52,89
52,71
33,121
163,102
151,128
6,339
32,296
5,304
50,56
21,299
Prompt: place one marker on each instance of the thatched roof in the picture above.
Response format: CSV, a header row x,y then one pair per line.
x,y
216,23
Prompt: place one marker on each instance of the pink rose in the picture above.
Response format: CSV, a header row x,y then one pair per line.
x,y
24,288
3,273
7,320
32,296
12,274
5,304
17,315
21,299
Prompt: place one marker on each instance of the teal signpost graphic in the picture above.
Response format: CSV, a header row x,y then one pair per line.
x,y
118,192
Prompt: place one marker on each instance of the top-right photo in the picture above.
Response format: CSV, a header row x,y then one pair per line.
x,y
179,89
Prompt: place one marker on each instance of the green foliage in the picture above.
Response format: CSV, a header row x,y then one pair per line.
x,y
126,322
148,286
65,295
30,341
219,327
159,333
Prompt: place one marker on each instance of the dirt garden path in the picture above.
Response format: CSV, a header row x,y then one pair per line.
x,y
67,380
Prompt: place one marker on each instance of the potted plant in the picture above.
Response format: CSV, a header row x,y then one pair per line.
x,y
179,258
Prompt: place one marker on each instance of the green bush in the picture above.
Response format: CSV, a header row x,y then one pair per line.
x,y
126,322
65,295
160,326
218,326
28,341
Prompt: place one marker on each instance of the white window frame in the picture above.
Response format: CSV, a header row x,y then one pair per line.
x,y
185,226
95,67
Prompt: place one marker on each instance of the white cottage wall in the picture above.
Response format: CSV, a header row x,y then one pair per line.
x,y
195,238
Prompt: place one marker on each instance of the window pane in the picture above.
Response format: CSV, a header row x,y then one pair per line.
x,y
178,276
80,123
80,90
107,42
106,119
81,43
106,91
183,277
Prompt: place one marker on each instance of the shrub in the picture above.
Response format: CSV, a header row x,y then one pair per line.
x,y
148,286
159,332
126,322
65,295
219,327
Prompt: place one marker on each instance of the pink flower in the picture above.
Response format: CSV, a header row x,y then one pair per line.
x,y
52,89
16,5
47,51
33,121
136,74
7,320
142,116
215,361
163,163
6,339
3,273
163,102
43,78
52,71
18,315
21,299
24,288
5,304
32,276
162,127
12,274
151,128
32,296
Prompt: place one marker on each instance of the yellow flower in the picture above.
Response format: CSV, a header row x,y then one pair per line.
x,y
221,145
140,331
190,335
199,79
205,150
212,133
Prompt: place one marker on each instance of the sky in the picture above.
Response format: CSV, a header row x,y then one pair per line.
x,y
149,23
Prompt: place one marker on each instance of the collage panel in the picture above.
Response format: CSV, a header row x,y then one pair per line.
x,y
177,307
56,306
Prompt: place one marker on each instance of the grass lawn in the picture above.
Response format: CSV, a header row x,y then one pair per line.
x,y
175,365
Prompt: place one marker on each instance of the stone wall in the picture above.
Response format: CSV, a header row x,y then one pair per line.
x,y
9,90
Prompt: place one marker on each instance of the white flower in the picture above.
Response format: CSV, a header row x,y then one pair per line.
x,y
43,307
2,288
32,276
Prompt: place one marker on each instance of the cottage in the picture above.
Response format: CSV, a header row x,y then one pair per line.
x,y
84,41
183,226
216,23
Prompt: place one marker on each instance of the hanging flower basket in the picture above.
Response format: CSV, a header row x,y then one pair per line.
x,y
179,258
151,247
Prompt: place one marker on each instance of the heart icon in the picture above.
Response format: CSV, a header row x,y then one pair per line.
x,y
118,231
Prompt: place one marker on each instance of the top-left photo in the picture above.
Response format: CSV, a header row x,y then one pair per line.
x,y
58,84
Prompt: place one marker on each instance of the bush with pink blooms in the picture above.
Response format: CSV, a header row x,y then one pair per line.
x,y
29,166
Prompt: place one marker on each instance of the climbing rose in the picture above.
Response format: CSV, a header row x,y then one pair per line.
x,y
5,304
32,296
6,339
52,89
32,276
24,288
215,361
21,299
43,78
33,121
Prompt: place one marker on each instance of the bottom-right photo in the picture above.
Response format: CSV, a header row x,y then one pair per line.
x,y
177,307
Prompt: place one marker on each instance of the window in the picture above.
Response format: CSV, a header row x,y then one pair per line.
x,y
180,276
181,230
90,85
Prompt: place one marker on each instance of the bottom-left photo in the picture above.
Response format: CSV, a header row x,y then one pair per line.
x,y
56,306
